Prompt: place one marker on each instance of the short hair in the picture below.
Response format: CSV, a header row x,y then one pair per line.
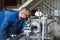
x,y
26,9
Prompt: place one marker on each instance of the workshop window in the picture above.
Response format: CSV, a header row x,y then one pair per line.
x,y
10,2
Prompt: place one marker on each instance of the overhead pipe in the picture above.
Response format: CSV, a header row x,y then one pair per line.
x,y
25,4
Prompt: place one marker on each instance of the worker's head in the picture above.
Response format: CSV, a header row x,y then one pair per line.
x,y
24,13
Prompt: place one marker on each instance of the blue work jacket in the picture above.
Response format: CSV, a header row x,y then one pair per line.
x,y
11,24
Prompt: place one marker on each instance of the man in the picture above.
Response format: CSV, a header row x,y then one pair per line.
x,y
13,23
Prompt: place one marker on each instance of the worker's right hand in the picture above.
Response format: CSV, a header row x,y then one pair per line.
x,y
8,39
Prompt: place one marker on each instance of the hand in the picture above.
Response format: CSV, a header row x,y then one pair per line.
x,y
8,39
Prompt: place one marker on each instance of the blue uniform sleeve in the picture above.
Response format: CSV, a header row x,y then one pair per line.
x,y
3,31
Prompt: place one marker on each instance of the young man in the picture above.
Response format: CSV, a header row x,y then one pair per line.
x,y
13,23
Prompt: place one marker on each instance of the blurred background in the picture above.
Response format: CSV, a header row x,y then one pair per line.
x,y
44,22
